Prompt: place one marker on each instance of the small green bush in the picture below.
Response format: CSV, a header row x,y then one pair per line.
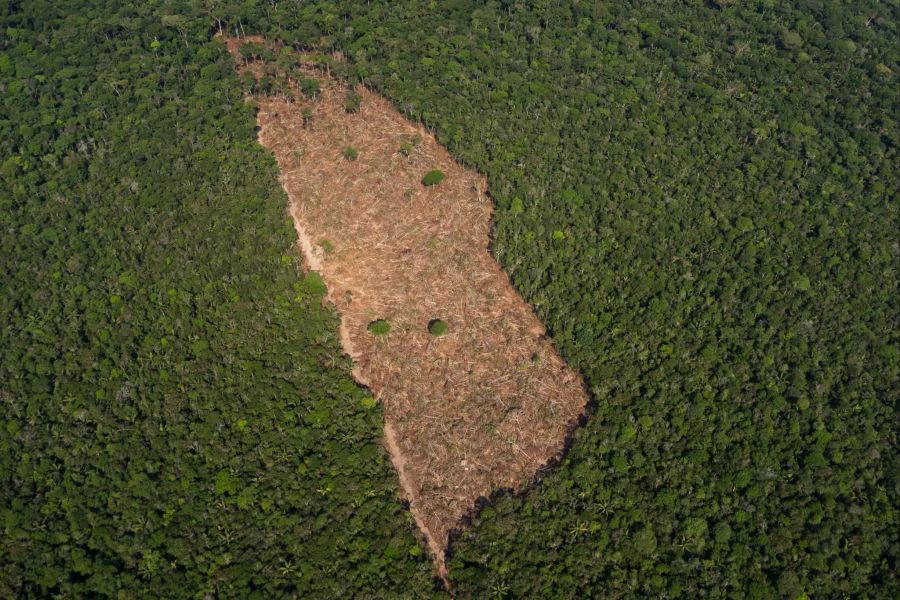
x,y
433,177
437,327
307,114
379,327
350,153
352,102
407,147
310,87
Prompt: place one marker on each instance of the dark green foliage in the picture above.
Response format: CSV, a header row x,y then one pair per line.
x,y
700,204
350,153
266,85
177,419
433,177
310,87
379,327
791,40
248,80
437,327
251,51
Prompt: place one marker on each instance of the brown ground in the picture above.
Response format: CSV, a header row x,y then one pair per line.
x,y
480,408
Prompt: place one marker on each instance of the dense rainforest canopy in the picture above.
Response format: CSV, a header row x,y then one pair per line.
x,y
176,415
699,198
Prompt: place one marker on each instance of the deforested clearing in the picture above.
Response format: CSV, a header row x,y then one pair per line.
x,y
487,402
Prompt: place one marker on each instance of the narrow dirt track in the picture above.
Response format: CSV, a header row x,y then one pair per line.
x,y
480,408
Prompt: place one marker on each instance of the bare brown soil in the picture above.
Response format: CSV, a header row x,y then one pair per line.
x,y
480,408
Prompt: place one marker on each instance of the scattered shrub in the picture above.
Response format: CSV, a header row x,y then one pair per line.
x,y
350,153
408,146
379,327
437,327
433,177
310,87
352,102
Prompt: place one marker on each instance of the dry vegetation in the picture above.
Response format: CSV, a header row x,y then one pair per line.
x,y
481,407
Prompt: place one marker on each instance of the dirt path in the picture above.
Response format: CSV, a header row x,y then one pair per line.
x,y
306,246
409,488
480,408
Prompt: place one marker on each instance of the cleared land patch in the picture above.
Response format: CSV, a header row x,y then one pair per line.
x,y
475,397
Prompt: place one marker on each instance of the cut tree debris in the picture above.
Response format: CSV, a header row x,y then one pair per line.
x,y
483,406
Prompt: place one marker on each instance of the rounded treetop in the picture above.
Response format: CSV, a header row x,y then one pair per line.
x,y
379,327
437,327
433,177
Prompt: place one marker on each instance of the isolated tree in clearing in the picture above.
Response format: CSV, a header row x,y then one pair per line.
x,y
433,177
379,327
437,327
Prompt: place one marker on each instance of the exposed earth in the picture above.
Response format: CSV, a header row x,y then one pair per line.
x,y
484,405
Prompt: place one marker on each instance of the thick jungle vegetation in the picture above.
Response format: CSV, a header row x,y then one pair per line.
x,y
176,416
701,201
699,198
